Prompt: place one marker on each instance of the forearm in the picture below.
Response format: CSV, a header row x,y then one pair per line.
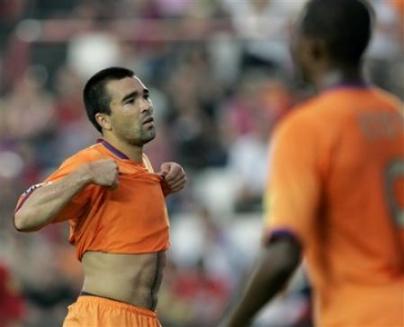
x,y
262,287
47,201
271,274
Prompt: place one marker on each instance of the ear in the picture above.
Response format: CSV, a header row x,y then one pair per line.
x,y
104,120
318,50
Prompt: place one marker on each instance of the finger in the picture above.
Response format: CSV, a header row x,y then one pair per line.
x,y
179,182
175,180
165,168
175,172
162,174
171,168
175,190
177,186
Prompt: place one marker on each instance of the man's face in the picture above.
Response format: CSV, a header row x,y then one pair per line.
x,y
131,111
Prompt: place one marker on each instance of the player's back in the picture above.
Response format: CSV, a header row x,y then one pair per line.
x,y
356,253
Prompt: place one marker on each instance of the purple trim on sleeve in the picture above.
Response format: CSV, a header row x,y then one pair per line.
x,y
281,233
114,150
27,194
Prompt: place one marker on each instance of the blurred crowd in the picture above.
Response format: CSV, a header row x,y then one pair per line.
x,y
221,78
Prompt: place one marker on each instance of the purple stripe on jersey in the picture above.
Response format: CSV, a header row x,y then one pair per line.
x,y
27,194
114,150
281,233
359,84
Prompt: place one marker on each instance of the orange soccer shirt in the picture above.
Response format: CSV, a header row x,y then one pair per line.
x,y
336,183
129,219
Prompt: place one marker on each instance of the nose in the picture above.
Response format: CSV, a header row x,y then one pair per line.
x,y
146,106
147,109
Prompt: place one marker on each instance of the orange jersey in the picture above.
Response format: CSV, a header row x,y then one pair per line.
x,y
129,219
336,182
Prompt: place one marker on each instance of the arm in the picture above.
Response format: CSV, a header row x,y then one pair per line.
x,y
292,199
276,264
46,202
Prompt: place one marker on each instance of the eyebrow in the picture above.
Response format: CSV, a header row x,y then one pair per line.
x,y
130,95
134,94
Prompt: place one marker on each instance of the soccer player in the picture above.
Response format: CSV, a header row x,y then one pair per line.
x,y
336,184
114,204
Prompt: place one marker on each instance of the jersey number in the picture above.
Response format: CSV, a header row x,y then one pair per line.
x,y
393,174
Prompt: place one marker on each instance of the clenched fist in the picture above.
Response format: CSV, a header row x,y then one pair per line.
x,y
174,177
102,172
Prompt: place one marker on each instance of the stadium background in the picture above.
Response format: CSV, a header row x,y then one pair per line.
x,y
220,76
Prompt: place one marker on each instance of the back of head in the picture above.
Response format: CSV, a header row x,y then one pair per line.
x,y
344,25
95,96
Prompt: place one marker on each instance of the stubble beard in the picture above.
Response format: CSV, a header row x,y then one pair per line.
x,y
145,136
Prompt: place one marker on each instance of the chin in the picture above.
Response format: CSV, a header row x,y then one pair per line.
x,y
142,140
148,138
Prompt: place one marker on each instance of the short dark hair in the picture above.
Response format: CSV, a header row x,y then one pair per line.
x,y
344,25
95,96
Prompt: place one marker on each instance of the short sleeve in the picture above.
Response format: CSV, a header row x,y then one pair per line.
x,y
78,203
293,185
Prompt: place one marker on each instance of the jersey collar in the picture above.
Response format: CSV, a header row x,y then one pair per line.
x,y
113,149
350,84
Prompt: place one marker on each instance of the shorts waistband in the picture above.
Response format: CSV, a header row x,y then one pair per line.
x,y
86,297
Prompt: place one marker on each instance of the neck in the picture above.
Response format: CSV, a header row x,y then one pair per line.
x,y
334,77
133,152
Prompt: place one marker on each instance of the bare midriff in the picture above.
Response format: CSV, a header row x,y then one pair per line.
x,y
129,278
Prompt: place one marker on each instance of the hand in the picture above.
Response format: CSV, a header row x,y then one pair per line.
x,y
173,176
102,172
